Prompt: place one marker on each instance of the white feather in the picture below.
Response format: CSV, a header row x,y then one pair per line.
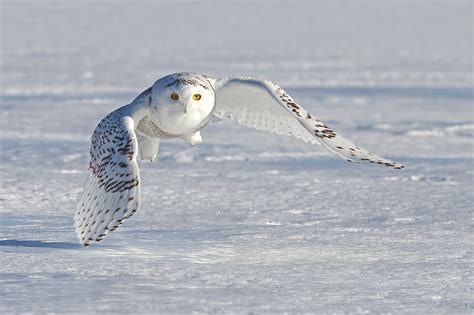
x,y
263,105
112,189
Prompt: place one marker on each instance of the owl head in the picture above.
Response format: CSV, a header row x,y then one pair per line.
x,y
182,102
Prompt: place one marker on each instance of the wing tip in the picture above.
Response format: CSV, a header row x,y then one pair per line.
x,y
386,163
91,238
86,243
389,164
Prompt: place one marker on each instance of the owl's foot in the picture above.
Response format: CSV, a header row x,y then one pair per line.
x,y
192,138
148,148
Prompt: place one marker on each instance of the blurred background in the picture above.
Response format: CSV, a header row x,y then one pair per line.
x,y
247,221
99,46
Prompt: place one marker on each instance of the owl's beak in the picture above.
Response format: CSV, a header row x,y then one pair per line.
x,y
187,107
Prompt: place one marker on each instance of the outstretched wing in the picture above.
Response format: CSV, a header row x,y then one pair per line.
x,y
263,105
112,189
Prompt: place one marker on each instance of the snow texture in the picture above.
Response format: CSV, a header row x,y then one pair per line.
x,y
247,222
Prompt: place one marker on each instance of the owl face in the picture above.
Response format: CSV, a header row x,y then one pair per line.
x,y
182,103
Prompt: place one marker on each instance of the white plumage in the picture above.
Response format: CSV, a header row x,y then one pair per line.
x,y
180,105
112,189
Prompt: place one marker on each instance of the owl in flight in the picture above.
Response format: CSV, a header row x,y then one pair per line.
x,y
180,105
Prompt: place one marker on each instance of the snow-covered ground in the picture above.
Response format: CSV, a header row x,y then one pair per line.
x,y
246,222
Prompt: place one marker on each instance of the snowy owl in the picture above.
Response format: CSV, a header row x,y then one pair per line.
x,y
180,105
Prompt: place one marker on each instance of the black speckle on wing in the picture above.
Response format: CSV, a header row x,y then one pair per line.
x,y
328,137
112,188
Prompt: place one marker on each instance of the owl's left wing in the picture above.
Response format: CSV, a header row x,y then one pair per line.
x,y
263,105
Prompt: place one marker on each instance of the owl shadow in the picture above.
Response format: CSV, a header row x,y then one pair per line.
x,y
39,244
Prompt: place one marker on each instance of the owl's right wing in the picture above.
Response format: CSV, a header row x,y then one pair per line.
x,y
112,189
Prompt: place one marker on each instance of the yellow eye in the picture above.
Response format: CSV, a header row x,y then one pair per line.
x,y
174,96
196,97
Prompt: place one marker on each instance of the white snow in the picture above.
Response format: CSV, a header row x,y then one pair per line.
x,y
247,221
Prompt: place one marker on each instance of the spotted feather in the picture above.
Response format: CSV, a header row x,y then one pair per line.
x,y
263,105
112,189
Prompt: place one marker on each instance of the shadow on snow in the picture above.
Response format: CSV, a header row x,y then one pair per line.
x,y
41,244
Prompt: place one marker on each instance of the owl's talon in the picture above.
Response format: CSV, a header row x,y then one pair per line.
x,y
192,138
